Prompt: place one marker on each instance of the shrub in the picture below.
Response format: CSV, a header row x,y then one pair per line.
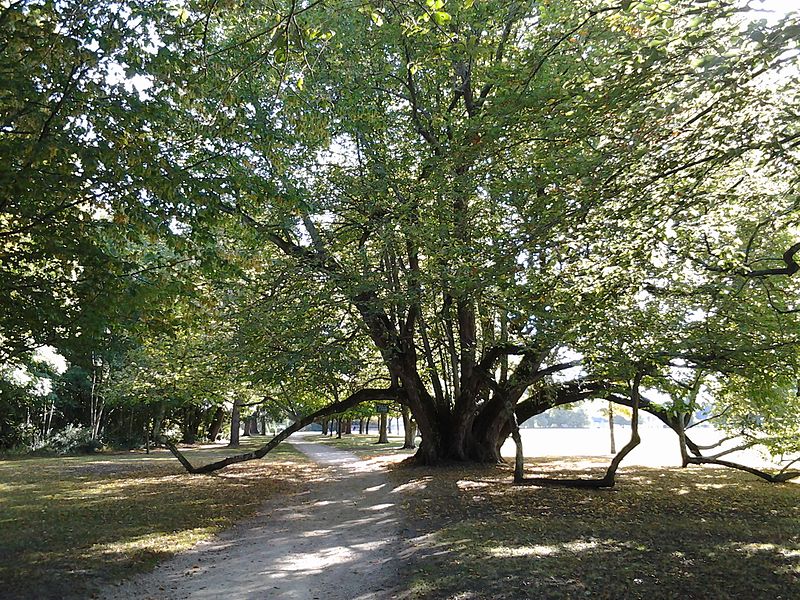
x,y
74,439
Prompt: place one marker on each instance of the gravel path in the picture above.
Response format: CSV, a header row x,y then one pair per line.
x,y
339,541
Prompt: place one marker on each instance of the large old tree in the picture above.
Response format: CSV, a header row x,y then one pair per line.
x,y
514,205
496,189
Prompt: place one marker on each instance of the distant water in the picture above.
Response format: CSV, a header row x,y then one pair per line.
x,y
658,447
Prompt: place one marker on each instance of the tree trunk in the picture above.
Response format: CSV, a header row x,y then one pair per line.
x,y
254,424
519,455
682,439
96,401
191,424
477,435
382,437
158,421
409,428
216,424
325,426
611,426
235,423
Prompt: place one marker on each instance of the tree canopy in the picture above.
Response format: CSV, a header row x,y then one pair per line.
x,y
485,208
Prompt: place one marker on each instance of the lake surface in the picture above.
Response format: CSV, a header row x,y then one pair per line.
x,y
659,445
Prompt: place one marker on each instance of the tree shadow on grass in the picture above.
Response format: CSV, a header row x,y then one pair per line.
x,y
661,533
70,524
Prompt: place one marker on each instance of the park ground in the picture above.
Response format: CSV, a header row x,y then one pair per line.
x,y
72,526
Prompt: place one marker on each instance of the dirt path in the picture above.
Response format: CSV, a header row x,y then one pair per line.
x,y
338,541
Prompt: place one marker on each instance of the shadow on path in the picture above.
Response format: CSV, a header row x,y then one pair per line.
x,y
339,540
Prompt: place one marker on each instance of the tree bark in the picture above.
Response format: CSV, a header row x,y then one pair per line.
x,y
216,424
234,441
382,437
409,428
611,427
254,424
192,417
681,422
158,421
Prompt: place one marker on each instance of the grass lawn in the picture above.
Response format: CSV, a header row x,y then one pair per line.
x,y
70,524
366,445
661,533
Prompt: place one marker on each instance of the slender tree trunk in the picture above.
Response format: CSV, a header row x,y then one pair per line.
x,y
96,401
519,455
611,426
366,426
49,421
682,439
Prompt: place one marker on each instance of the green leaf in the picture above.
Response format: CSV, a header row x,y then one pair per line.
x,y
442,18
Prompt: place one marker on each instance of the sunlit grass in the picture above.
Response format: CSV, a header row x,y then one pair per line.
x,y
70,524
367,445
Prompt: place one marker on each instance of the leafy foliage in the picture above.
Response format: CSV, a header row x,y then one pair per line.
x,y
453,198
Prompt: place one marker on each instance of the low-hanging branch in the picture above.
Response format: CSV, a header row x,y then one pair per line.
x,y
781,477
609,479
674,423
354,399
699,459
